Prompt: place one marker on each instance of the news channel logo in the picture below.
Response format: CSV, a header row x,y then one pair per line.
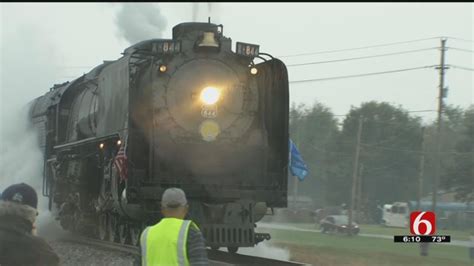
x,y
422,229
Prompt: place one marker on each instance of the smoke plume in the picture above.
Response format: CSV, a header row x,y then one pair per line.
x,y
195,11
266,250
27,71
212,12
20,159
138,22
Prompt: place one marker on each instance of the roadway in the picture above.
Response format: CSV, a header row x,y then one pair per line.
x,y
460,243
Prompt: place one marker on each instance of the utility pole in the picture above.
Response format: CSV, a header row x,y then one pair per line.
x,y
421,169
359,192
354,174
442,93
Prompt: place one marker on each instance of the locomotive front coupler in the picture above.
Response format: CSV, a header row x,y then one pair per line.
x,y
259,237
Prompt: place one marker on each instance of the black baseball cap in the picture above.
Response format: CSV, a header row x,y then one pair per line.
x,y
21,193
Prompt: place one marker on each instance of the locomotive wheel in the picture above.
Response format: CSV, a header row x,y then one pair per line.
x,y
232,250
134,233
123,234
102,226
112,229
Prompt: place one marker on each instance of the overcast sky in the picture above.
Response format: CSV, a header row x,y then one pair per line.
x,y
47,43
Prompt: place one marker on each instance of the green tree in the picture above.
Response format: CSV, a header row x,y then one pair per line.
x,y
461,175
390,151
313,129
451,133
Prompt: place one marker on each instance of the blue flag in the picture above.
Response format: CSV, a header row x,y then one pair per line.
x,y
297,165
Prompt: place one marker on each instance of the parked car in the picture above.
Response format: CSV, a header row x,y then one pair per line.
x,y
337,224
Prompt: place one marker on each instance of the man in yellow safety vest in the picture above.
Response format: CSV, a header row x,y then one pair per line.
x,y
173,241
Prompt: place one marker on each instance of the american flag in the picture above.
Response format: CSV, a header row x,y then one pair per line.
x,y
120,162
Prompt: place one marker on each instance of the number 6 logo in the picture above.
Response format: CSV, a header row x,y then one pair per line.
x,y
422,223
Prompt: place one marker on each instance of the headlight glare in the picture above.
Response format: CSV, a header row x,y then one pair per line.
x,y
210,95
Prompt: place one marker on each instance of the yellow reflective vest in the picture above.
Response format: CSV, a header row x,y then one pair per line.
x,y
165,243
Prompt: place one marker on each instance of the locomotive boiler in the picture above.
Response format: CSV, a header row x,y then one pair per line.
x,y
185,112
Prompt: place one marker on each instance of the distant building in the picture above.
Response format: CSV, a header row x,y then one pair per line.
x,y
302,202
443,196
450,213
300,211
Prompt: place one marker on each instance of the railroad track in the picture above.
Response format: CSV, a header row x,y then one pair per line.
x,y
112,246
216,257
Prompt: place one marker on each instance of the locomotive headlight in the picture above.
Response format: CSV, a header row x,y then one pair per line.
x,y
163,68
209,130
210,95
253,71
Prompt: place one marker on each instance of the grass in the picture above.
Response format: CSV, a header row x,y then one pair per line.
x,y
390,231
322,249
378,229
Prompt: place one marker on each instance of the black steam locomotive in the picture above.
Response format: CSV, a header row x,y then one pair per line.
x,y
187,112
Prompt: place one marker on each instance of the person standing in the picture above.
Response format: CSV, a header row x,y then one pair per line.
x,y
19,244
173,241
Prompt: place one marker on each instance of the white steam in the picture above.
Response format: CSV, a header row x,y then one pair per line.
x,y
21,161
20,157
195,11
266,250
211,11
27,71
138,22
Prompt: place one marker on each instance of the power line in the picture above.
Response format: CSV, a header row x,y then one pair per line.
x,y
382,147
396,137
459,39
362,57
372,170
361,75
390,122
74,66
414,151
359,48
414,111
421,111
461,67
389,148
69,77
460,49
348,154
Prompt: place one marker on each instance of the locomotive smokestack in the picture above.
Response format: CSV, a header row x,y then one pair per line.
x,y
138,22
